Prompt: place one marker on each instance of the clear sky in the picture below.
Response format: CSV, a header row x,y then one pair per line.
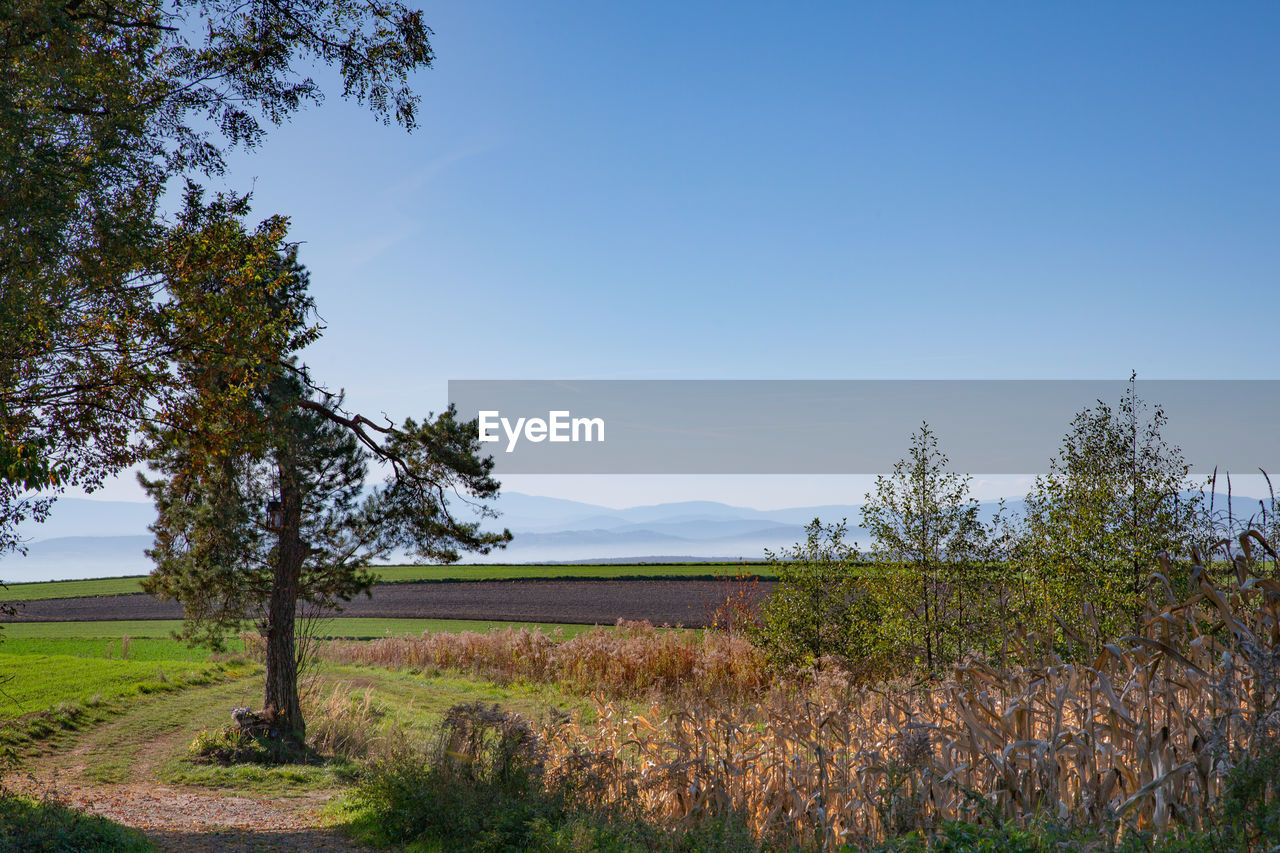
x,y
795,190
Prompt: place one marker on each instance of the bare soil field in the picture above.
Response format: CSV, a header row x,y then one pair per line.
x,y
587,602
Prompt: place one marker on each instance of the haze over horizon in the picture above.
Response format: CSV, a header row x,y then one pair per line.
x,y
107,538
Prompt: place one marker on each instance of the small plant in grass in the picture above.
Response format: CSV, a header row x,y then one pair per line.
x,y
250,739
227,745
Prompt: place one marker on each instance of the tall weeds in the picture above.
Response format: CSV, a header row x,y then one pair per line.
x,y
630,661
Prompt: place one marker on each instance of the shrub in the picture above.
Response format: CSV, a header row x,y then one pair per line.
x,y
1248,815
738,607
478,789
484,787
820,610
230,744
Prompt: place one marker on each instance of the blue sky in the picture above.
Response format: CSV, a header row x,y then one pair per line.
x,y
795,190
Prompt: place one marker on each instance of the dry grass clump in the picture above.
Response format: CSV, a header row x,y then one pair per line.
x,y
632,660
344,724
1140,737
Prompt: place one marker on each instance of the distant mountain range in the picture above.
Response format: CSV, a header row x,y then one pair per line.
x,y
88,538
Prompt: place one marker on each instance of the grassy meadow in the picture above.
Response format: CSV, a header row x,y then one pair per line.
x,y
415,574
39,680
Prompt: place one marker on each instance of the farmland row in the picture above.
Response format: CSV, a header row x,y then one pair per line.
x,y
425,574
587,602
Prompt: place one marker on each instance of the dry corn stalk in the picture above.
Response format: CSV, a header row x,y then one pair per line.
x,y
1143,735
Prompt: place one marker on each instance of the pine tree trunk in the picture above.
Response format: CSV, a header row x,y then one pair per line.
x,y
281,693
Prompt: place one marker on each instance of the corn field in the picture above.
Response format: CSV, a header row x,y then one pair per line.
x,y
1140,737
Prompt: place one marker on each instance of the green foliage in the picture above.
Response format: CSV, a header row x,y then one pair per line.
x,y
215,548
1111,505
1248,814
47,826
229,744
104,105
478,790
932,594
962,837
256,434
938,593
82,184
819,609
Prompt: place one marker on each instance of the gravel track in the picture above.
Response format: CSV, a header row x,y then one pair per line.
x,y
588,602
185,821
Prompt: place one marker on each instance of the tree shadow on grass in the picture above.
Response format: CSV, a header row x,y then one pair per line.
x,y
240,840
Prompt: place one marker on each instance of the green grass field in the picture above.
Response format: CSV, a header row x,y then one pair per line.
x,y
81,673
406,574
37,681
120,646
70,589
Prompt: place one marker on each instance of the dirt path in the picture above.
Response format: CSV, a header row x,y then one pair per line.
x,y
116,769
180,820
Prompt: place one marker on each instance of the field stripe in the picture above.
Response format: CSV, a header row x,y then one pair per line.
x,y
350,627
42,590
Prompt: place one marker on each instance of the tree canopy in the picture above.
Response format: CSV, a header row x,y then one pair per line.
x,y
132,329
261,489
104,105
819,610
937,554
1113,502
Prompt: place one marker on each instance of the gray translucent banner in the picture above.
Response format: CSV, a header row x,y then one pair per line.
x,y
845,426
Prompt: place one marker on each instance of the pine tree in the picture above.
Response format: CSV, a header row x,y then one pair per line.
x,y
259,492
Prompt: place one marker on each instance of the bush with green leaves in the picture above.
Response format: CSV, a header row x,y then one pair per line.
x,y
940,569
231,744
1113,502
820,611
